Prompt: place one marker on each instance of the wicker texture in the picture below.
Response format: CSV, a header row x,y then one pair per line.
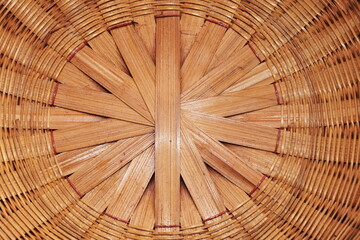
x,y
180,119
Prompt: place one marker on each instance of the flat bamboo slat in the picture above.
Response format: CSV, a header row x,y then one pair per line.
x,y
60,118
131,188
223,76
190,215
202,189
98,103
236,102
71,161
101,196
106,131
231,131
201,54
167,135
139,62
109,161
116,81
144,214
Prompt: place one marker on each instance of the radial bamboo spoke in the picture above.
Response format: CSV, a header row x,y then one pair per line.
x,y
225,161
258,76
109,161
223,76
231,44
167,144
197,179
139,62
232,131
101,196
201,54
190,28
130,190
235,103
116,81
71,161
61,118
190,215
99,103
144,214
146,29
106,131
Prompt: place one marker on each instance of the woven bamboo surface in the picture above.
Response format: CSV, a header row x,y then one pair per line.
x,y
180,119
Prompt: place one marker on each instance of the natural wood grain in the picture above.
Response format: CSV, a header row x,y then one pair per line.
x,y
232,131
190,215
139,62
99,103
114,80
71,161
197,178
109,161
131,188
201,54
100,197
235,103
223,76
105,131
167,144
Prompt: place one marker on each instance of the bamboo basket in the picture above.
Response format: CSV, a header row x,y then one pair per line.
x,y
180,119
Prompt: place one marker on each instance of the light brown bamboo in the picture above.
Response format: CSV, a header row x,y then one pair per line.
x,y
105,131
60,118
99,103
131,188
230,45
167,144
116,81
190,215
235,103
258,76
232,131
144,214
190,29
71,161
197,178
201,54
109,161
139,62
223,76
100,197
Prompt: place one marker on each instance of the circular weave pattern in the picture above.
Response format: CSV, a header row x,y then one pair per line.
x,y
172,119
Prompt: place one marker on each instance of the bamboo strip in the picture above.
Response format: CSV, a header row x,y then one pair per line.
x,y
167,144
104,45
190,28
72,161
100,197
130,190
223,76
190,215
201,188
105,131
144,214
231,131
139,62
264,162
230,45
109,161
146,25
60,118
258,76
98,103
116,81
226,162
235,103
201,54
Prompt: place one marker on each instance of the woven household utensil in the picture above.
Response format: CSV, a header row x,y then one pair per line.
x,y
180,119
